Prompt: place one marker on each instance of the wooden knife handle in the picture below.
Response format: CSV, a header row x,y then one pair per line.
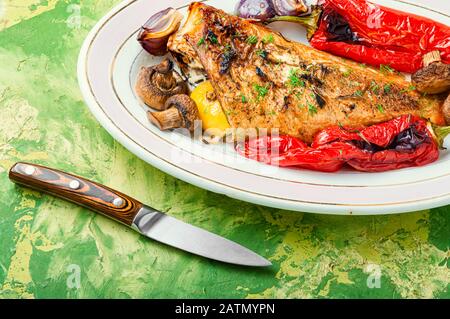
x,y
78,190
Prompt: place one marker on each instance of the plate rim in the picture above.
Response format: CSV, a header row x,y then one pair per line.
x,y
213,185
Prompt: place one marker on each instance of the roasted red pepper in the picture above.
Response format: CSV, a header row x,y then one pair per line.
x,y
403,142
375,35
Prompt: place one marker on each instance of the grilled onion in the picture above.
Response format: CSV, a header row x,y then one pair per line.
x,y
155,33
289,7
255,9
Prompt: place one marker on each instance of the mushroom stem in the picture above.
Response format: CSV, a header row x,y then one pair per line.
x,y
164,67
180,111
166,120
431,57
164,82
164,77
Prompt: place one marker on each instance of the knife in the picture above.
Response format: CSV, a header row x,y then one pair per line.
x,y
144,219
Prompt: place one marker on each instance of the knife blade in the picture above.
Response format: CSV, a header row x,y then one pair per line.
x,y
148,221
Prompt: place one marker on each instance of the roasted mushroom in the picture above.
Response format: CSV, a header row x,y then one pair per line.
x,y
434,78
157,83
180,112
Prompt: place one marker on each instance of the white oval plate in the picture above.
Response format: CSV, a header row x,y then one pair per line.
x,y
108,64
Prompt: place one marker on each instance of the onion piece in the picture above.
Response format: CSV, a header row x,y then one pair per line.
x,y
289,7
155,33
255,9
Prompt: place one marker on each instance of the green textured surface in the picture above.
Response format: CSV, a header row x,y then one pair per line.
x,y
44,120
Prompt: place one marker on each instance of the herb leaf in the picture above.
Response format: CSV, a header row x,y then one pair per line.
x,y
261,53
374,87
386,69
312,109
211,37
359,93
201,41
380,108
261,90
268,39
294,79
347,73
253,39
409,89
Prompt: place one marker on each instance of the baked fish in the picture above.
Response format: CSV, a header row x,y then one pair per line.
x,y
264,81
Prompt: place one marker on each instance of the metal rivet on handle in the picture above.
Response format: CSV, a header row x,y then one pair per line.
x,y
118,202
29,170
74,184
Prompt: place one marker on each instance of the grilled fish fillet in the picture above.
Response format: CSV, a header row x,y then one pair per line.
x,y
264,81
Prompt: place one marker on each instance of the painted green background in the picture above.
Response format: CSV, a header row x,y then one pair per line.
x,y
43,119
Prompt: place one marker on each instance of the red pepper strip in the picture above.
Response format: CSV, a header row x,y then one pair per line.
x,y
335,147
288,151
391,159
380,35
400,61
380,134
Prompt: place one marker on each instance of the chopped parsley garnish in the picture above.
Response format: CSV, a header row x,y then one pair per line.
x,y
261,53
261,90
386,69
201,41
312,109
268,39
380,108
363,65
294,79
359,93
347,72
211,37
253,39
409,89
243,98
387,88
374,87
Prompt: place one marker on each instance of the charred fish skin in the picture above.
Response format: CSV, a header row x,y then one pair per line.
x,y
264,81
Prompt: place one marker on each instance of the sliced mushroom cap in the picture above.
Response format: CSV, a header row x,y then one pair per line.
x,y
434,78
181,111
156,84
